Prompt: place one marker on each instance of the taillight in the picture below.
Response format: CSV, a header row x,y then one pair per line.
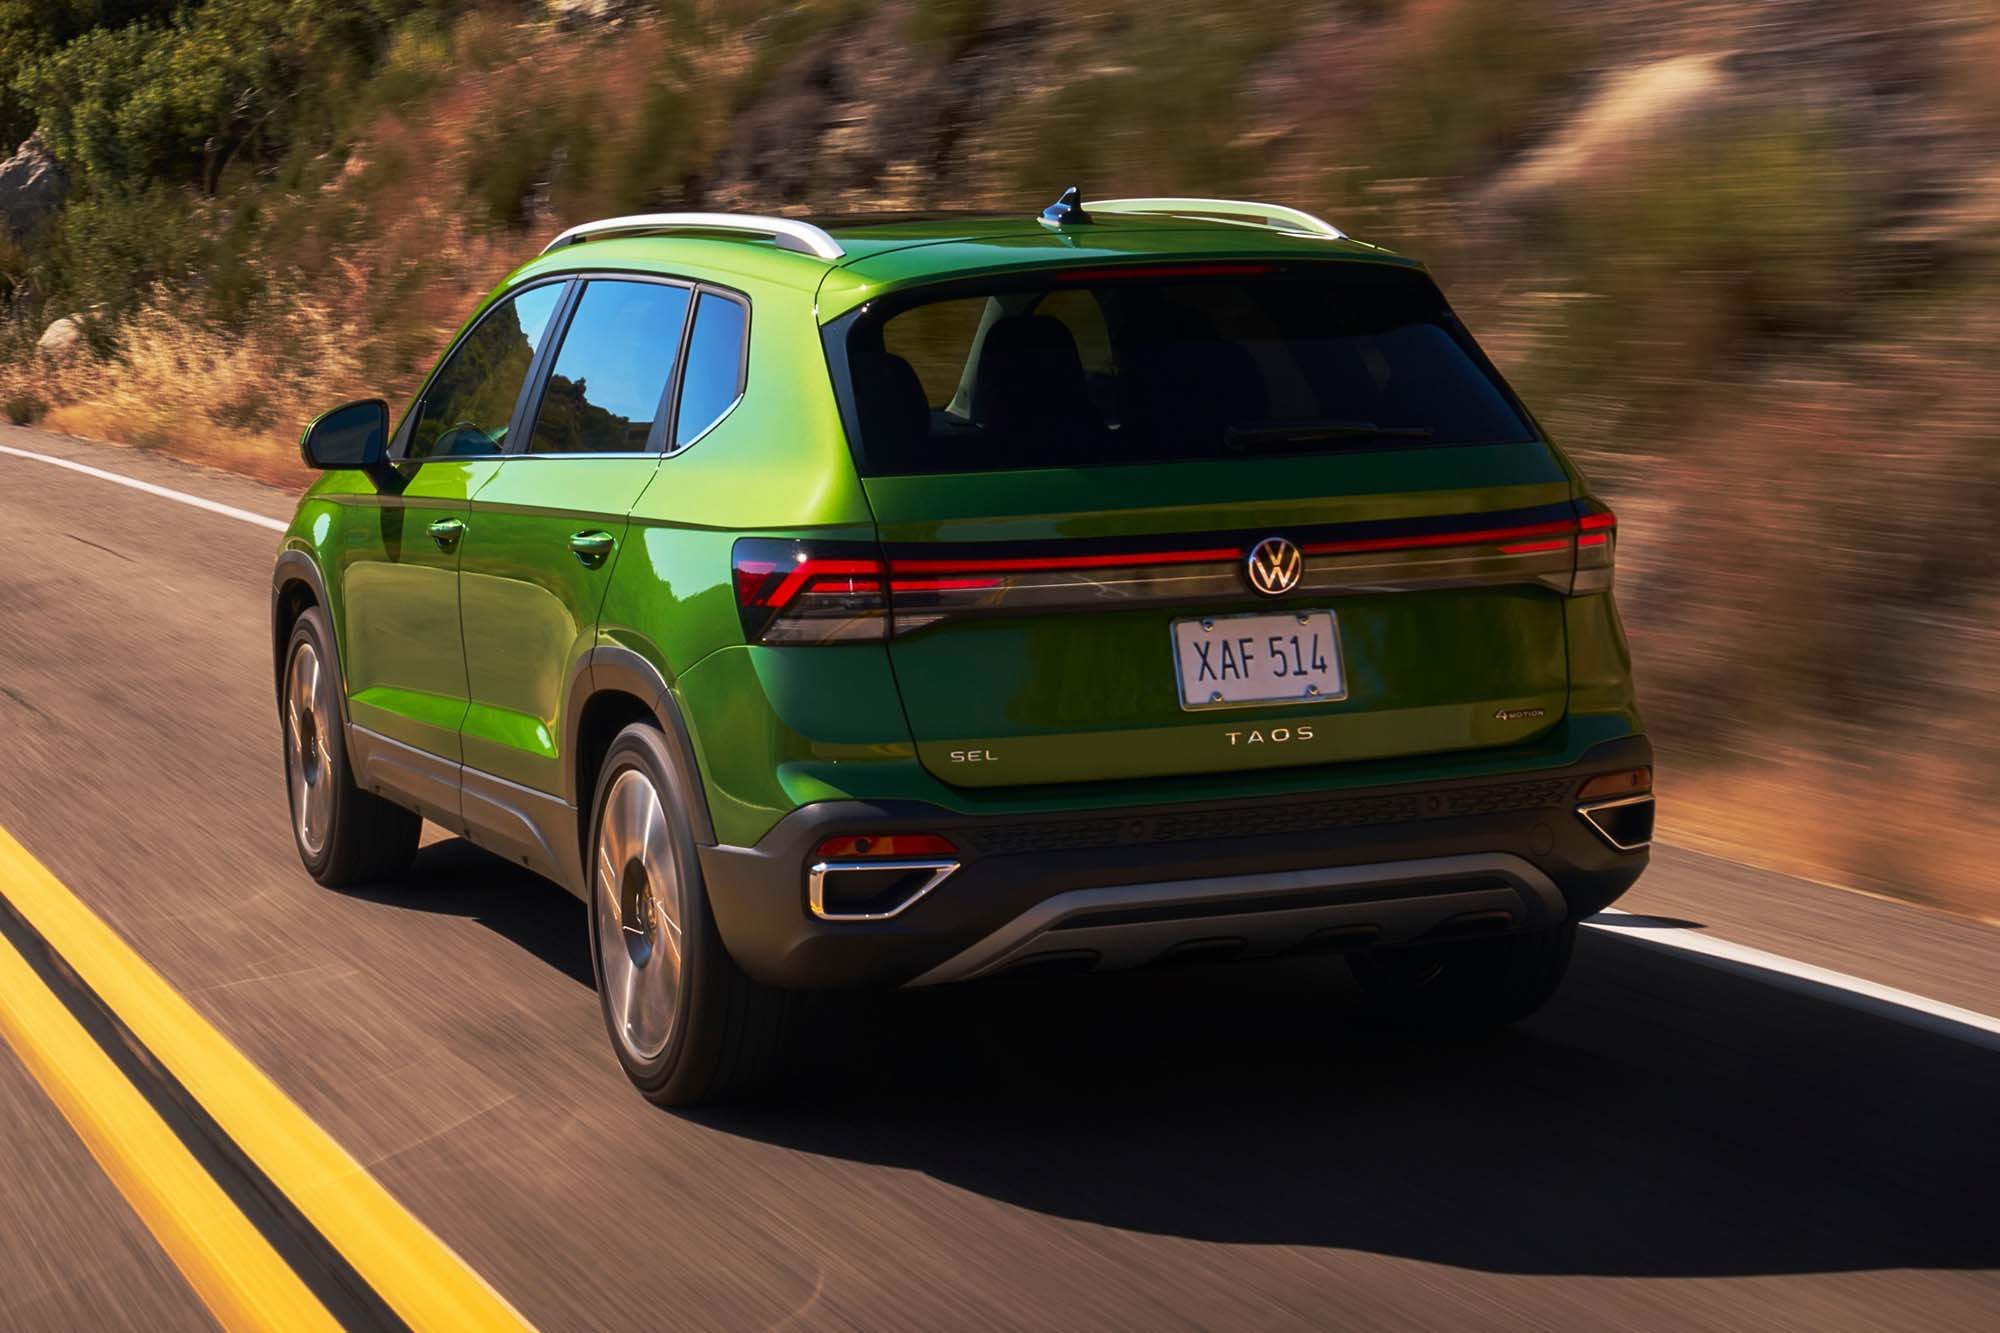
x,y
810,592
1596,543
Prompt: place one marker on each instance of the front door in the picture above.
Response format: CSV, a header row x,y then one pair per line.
x,y
404,653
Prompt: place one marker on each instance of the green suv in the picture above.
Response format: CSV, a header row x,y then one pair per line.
x,y
906,600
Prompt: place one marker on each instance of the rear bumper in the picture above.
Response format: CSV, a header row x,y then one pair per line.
x,y
1328,871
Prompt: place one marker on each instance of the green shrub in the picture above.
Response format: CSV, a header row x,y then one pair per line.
x,y
1473,93
110,245
1741,236
24,409
1154,108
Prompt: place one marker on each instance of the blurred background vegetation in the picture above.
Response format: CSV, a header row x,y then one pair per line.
x,y
1743,257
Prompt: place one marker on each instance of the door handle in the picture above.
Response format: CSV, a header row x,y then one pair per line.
x,y
446,532
592,548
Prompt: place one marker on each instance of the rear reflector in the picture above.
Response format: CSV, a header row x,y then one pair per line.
x,y
1624,782
884,845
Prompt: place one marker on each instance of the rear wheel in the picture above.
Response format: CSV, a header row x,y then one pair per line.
x,y
1466,987
686,1023
344,835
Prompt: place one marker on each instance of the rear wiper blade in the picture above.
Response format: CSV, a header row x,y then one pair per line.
x,y
1267,434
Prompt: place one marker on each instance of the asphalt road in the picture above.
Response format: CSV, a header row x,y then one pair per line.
x,y
1668,1144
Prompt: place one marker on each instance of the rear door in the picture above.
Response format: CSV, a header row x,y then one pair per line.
x,y
1250,516
545,532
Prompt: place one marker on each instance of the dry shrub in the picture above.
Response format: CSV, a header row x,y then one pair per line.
x,y
235,400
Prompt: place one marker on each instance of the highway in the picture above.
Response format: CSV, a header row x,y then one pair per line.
x,y
1677,1141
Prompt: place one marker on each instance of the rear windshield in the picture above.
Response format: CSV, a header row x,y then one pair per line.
x,y
1163,365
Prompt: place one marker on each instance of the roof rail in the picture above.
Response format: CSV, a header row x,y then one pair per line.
x,y
789,233
1263,215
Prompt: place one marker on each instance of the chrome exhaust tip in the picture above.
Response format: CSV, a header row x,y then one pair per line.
x,y
873,890
1626,823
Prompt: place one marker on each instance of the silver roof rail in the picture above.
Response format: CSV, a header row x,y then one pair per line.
x,y
1261,215
789,233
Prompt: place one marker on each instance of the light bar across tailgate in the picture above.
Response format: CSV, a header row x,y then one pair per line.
x,y
806,592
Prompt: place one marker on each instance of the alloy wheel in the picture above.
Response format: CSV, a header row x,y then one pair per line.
x,y
308,713
638,907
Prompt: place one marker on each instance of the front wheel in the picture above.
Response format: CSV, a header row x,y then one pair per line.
x,y
687,1025
344,835
1466,987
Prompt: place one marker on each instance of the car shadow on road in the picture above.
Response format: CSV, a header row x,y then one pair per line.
x,y
1659,1119
453,877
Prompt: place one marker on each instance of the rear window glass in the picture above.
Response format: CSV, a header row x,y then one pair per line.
x,y
1082,370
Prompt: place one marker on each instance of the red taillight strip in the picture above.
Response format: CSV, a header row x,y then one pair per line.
x,y
807,570
1148,559
984,573
1022,564
966,584
1475,537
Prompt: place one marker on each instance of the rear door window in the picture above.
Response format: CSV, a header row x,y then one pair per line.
x,y
1087,368
607,392
714,379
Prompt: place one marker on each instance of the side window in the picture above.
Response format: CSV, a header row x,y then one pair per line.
x,y
611,374
468,405
714,379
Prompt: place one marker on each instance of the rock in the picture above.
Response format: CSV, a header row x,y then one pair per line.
x,y
31,187
61,337
1630,108
576,15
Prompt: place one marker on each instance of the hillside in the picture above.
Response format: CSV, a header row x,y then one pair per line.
x,y
1741,255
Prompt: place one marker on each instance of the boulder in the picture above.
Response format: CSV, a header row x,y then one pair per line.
x,y
31,187
581,15
61,337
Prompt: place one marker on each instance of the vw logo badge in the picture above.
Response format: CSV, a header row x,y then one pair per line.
x,y
1274,566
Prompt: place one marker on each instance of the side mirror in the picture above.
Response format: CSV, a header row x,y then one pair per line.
x,y
354,435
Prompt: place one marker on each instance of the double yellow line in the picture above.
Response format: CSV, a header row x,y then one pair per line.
x,y
406,1274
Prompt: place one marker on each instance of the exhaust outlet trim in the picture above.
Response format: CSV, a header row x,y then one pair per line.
x,y
1589,815
816,884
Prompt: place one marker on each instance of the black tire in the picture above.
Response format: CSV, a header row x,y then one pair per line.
x,y
729,1037
362,839
1465,987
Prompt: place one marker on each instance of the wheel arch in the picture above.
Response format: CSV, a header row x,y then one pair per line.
x,y
296,585
614,687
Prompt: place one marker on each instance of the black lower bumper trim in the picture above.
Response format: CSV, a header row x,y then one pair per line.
x,y
1014,864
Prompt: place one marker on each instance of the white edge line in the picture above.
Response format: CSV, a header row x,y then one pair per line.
x,y
1900,1006
212,506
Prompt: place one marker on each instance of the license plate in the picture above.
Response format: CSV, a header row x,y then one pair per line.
x,y
1222,661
